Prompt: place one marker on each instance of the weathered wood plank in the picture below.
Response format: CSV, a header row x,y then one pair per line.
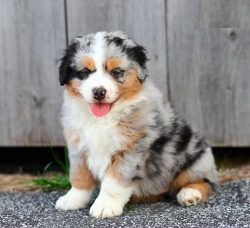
x,y
209,69
143,20
32,36
182,22
224,14
224,76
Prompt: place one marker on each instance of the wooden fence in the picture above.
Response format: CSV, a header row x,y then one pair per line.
x,y
199,51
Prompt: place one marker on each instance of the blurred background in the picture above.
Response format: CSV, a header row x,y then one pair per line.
x,y
199,57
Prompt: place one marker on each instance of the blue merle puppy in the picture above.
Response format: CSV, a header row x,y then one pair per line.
x,y
121,135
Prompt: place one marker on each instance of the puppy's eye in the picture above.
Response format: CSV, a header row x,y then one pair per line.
x,y
117,73
84,73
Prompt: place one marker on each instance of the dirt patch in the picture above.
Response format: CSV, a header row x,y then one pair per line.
x,y
23,182
233,174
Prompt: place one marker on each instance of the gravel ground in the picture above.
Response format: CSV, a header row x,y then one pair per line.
x,y
229,207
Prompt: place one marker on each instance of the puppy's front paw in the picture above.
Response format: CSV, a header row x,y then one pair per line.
x,y
106,207
74,199
189,197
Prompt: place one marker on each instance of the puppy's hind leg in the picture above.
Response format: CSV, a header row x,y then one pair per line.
x,y
194,184
194,193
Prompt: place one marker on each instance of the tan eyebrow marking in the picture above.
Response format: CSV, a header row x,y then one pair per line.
x,y
112,63
88,62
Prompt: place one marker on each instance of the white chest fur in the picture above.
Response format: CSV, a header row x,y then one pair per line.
x,y
102,140
99,136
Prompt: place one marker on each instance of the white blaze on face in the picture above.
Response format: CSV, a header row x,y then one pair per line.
x,y
97,80
100,77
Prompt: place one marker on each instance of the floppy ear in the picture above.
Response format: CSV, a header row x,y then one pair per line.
x,y
143,74
139,55
65,69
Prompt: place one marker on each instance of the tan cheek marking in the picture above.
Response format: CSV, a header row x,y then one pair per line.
x,y
112,63
81,177
131,87
203,187
88,62
73,88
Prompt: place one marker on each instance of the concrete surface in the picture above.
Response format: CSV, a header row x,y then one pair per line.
x,y
230,207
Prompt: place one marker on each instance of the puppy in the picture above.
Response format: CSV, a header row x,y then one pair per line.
x,y
121,135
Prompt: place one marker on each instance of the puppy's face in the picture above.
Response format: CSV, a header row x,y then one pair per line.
x,y
103,68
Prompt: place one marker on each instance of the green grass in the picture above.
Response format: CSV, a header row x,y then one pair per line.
x,y
58,182
62,162
130,207
223,162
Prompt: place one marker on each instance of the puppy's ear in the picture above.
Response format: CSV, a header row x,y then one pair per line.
x,y
65,69
139,54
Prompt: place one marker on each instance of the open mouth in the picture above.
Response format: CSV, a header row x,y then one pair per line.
x,y
100,109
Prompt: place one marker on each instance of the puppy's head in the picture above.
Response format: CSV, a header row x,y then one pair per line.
x,y
102,68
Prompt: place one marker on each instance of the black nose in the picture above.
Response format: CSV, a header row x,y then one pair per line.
x,y
99,93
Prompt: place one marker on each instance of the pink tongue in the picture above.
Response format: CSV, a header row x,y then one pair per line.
x,y
100,109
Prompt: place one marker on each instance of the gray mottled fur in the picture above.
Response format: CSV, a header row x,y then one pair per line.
x,y
169,145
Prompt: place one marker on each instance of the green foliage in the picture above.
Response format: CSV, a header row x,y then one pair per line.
x,y
228,159
60,182
63,163
223,162
130,207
